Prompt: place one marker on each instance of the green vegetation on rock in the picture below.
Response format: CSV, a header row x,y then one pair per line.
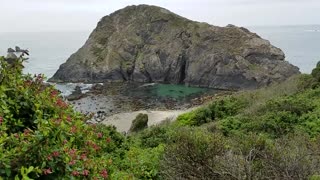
x,y
139,123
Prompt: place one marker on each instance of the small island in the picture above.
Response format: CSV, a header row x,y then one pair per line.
x,y
150,44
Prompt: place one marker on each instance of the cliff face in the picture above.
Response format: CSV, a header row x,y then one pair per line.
x,y
151,44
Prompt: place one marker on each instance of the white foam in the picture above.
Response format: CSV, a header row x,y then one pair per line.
x,y
67,88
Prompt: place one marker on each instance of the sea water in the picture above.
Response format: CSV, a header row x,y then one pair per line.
x,y
48,50
164,91
301,44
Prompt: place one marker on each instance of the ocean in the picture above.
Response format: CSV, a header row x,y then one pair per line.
x,y
301,44
48,50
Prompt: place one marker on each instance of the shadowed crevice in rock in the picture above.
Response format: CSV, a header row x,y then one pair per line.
x,y
183,68
151,44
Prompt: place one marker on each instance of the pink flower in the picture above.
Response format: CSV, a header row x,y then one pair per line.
x,y
83,156
99,135
72,151
85,172
73,162
96,147
47,171
108,140
65,142
53,93
69,119
49,157
104,173
61,103
58,121
55,154
89,143
73,129
75,173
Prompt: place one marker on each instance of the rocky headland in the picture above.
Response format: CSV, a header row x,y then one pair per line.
x,y
137,47
151,44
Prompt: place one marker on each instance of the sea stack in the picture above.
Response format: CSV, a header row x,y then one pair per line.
x,y
151,44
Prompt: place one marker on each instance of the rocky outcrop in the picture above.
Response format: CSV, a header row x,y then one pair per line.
x,y
76,94
151,44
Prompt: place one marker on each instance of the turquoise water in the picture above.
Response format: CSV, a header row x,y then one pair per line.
x,y
176,91
156,92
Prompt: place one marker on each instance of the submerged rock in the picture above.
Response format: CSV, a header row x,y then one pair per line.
x,y
76,94
151,44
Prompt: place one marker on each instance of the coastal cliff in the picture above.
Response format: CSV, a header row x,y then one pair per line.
x,y
151,44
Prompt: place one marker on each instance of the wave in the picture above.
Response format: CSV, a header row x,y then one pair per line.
x,y
67,88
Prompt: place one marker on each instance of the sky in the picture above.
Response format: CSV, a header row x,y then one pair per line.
x,y
83,15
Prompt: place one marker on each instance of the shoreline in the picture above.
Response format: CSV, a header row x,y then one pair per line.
x,y
110,104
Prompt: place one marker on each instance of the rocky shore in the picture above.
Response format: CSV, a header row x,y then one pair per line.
x,y
118,103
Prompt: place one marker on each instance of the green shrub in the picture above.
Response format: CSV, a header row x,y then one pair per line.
x,y
196,117
156,135
139,123
216,110
292,104
316,72
42,137
278,123
310,122
197,154
230,125
255,156
193,155
140,163
307,81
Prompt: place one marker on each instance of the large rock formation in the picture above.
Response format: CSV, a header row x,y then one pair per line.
x,y
151,44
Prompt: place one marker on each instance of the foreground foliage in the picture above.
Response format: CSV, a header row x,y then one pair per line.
x,y
42,137
270,133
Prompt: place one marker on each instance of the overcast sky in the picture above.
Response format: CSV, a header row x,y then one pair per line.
x,y
83,15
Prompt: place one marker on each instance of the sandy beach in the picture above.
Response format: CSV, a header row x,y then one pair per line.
x,y
123,120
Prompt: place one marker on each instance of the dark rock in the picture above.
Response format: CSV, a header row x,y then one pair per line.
x,y
76,94
151,44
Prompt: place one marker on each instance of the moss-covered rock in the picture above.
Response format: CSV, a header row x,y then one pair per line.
x,y
151,44
139,123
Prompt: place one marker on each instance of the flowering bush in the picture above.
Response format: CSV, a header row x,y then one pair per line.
x,y
42,137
